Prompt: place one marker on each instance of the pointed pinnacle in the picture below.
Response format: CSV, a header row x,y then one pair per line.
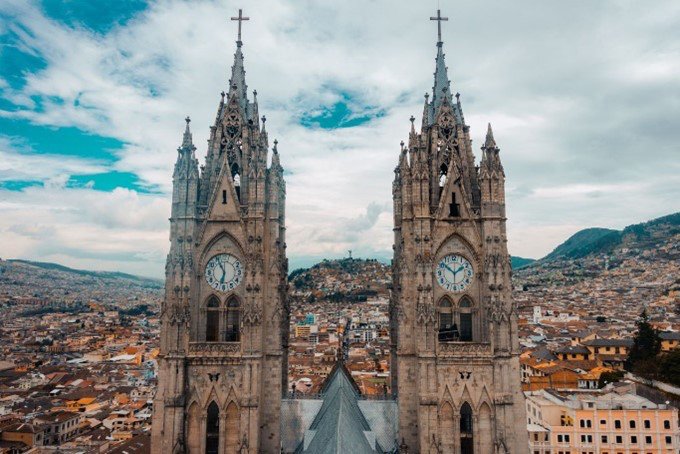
x,y
490,142
186,140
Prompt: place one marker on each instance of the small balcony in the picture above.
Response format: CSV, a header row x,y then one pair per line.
x,y
465,350
214,349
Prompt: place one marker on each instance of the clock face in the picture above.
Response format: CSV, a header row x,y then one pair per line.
x,y
454,273
223,272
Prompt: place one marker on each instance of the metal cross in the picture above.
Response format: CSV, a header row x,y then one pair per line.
x,y
240,19
439,20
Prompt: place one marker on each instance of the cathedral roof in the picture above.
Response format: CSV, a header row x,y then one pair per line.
x,y
340,426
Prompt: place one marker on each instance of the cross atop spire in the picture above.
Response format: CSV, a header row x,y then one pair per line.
x,y
240,19
439,20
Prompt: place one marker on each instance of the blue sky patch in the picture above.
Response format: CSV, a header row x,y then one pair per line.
x,y
99,17
17,185
342,114
16,63
108,181
69,141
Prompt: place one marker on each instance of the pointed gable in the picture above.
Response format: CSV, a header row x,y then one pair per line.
x,y
339,426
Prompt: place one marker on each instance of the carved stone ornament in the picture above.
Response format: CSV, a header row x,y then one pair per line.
x,y
252,314
179,315
425,314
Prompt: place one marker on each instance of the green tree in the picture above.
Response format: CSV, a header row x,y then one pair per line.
x,y
670,367
609,377
646,345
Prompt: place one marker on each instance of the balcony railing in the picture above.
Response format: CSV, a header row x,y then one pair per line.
x,y
468,350
214,348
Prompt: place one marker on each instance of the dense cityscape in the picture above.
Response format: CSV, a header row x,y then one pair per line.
x,y
78,349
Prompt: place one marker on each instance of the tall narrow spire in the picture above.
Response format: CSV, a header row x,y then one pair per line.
x,y
187,142
237,82
490,142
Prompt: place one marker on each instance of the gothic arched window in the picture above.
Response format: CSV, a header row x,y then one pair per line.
x,y
212,429
466,438
236,177
465,306
232,330
212,320
448,330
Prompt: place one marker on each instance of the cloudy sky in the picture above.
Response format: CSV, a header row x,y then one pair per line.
x,y
584,98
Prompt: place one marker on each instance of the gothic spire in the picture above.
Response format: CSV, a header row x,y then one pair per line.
x,y
490,142
441,90
187,142
186,164
442,85
237,82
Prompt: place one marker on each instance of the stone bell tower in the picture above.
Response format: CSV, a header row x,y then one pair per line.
x,y
455,352
224,332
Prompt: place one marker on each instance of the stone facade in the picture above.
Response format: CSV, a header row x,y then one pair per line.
x,y
455,349
223,360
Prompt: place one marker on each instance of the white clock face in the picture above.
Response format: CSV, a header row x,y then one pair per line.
x,y
223,272
454,273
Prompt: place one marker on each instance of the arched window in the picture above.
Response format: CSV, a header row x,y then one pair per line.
x,y
236,176
212,429
443,172
233,328
212,322
465,306
448,330
466,439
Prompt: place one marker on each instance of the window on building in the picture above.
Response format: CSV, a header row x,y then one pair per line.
x,y
466,429
632,423
212,429
566,438
603,422
619,439
666,424
465,319
669,440
212,325
233,328
236,177
633,439
604,439
448,330
648,424
454,207
617,424
648,440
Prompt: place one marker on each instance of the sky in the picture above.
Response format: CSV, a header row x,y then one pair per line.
x,y
583,96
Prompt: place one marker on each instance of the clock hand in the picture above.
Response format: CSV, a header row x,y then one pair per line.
x,y
456,272
224,272
449,268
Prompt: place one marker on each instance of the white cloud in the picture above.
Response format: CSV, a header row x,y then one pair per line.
x,y
581,97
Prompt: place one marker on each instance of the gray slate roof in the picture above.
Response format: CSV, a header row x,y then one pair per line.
x,y
340,425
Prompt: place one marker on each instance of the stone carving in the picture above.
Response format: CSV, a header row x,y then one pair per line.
x,y
252,314
425,314
179,315
214,348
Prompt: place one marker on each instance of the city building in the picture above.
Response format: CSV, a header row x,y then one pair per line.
x,y
614,421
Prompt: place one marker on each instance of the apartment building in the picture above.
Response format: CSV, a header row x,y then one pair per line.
x,y
614,421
